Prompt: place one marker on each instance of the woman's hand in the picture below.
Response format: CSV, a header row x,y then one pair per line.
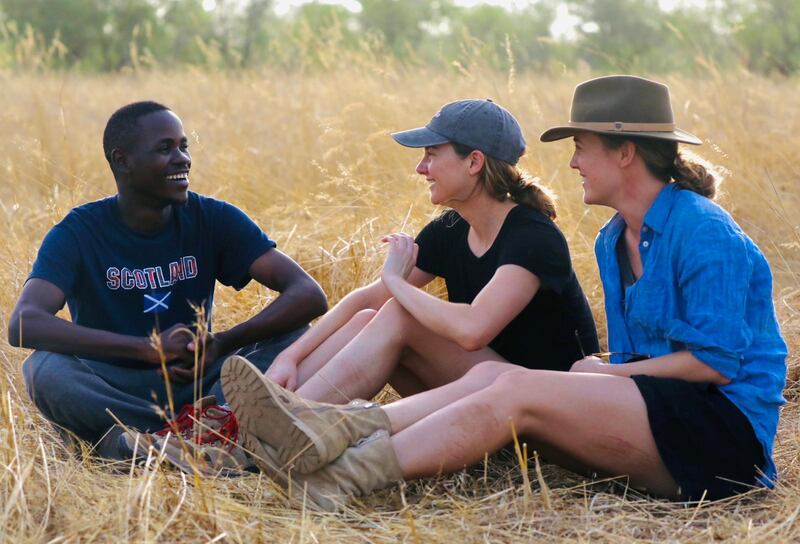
x,y
400,259
283,371
593,365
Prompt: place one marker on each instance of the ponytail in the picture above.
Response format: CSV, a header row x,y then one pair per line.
x,y
665,162
694,176
504,180
524,190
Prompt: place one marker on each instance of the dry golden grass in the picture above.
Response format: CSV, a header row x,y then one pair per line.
x,y
309,157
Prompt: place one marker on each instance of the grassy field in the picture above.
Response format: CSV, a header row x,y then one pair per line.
x,y
309,157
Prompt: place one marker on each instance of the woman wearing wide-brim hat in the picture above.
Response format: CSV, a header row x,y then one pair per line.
x,y
687,408
685,286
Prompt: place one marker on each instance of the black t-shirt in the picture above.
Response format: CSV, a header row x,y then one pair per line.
x,y
117,280
543,334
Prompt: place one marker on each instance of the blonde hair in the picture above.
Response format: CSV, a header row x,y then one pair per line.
x,y
504,180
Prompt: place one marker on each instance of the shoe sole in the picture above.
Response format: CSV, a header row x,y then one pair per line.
x,y
256,402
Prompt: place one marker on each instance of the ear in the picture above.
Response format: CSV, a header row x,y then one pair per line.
x,y
627,152
120,161
476,161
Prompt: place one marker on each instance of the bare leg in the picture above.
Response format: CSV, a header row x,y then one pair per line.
x,y
599,421
332,345
364,366
408,410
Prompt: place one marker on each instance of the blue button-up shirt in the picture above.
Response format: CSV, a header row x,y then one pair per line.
x,y
705,288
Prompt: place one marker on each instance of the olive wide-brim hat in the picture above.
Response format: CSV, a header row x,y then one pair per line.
x,y
621,106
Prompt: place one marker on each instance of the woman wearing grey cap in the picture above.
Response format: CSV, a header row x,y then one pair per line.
x,y
687,407
513,295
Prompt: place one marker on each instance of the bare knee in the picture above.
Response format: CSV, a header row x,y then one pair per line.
x,y
392,309
530,395
393,319
362,317
486,372
511,379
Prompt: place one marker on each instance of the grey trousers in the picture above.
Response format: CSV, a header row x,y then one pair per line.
x,y
77,394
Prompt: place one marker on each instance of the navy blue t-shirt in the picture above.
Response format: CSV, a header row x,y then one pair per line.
x,y
117,280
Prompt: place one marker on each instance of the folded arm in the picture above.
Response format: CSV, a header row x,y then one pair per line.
x,y
299,301
33,324
472,326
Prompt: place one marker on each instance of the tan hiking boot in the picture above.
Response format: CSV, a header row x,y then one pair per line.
x,y
366,467
304,434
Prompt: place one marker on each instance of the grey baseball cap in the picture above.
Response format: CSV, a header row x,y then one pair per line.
x,y
479,124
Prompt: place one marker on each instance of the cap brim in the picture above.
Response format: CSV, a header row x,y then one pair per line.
x,y
419,137
678,135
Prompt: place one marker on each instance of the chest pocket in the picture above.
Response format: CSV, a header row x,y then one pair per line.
x,y
650,305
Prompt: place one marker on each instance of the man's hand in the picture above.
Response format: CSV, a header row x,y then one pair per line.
x,y
283,371
203,351
173,344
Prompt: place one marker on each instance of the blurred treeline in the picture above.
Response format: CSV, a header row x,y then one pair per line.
x,y
624,35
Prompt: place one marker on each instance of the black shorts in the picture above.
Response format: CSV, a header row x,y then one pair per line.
x,y
705,441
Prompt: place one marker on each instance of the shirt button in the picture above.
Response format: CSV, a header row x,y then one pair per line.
x,y
645,229
645,244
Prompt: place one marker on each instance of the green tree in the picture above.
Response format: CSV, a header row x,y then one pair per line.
x,y
637,35
770,35
78,24
400,22
256,37
312,36
524,34
184,26
130,29
618,34
320,18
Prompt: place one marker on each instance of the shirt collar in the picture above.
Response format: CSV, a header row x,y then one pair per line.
x,y
613,226
656,217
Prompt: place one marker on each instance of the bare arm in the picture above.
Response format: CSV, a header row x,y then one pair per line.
x,y
471,326
33,324
681,365
301,299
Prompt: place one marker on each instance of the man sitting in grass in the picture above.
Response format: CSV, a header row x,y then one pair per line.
x,y
136,270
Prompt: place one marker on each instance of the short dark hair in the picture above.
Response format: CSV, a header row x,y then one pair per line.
x,y
121,126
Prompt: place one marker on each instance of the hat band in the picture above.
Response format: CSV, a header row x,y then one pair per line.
x,y
619,126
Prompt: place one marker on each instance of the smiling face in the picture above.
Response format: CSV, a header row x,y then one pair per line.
x,y
599,169
448,174
158,161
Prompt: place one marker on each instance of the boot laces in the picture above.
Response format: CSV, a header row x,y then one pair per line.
x,y
217,424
